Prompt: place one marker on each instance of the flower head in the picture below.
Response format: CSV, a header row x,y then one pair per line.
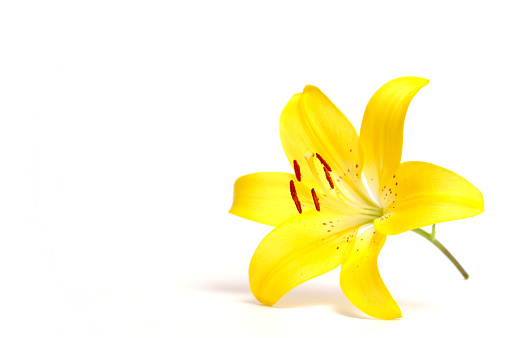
x,y
323,214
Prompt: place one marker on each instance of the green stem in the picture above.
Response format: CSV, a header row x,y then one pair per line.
x,y
431,237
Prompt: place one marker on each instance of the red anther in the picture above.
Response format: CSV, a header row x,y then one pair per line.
x,y
315,199
329,179
295,198
325,164
296,168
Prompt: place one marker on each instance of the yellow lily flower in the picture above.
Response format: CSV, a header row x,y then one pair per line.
x,y
323,214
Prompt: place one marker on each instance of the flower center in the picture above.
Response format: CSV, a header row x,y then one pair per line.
x,y
336,190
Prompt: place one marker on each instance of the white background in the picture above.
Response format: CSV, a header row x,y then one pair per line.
x,y
124,124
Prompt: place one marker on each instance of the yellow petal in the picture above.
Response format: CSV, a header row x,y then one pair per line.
x,y
311,123
382,128
303,247
360,279
265,197
421,194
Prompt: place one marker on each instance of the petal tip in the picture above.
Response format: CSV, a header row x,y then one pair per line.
x,y
399,314
263,296
412,84
420,81
391,313
309,88
481,208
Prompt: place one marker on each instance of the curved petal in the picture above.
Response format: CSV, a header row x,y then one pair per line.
x,y
265,197
382,128
421,194
311,123
303,247
360,279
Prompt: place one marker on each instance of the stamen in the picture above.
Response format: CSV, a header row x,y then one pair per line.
x,y
296,168
329,179
315,199
295,198
325,164
345,200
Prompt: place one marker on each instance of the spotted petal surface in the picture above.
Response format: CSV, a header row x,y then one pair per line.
x,y
420,194
303,247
